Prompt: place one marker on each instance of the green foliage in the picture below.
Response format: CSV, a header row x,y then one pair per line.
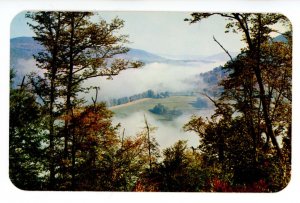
x,y
180,170
26,140
160,109
146,94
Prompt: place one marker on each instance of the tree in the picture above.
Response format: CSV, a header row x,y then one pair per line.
x,y
26,138
180,170
256,88
105,161
241,87
162,110
256,30
94,144
76,49
139,157
48,32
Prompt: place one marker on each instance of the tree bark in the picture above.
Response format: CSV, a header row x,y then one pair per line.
x,y
262,94
54,69
69,105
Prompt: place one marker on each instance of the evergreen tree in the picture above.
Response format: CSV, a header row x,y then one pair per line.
x,y
26,140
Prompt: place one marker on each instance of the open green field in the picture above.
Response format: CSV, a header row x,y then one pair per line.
x,y
183,103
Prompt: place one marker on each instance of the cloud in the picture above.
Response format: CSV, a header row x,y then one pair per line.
x,y
25,66
155,76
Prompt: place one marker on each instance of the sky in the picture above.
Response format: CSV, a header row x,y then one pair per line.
x,y
164,33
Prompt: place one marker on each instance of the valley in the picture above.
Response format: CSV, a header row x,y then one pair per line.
x,y
182,103
180,76
167,130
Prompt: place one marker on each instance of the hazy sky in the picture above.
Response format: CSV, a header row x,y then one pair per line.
x,y
162,32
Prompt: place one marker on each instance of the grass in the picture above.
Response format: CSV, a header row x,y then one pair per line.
x,y
183,103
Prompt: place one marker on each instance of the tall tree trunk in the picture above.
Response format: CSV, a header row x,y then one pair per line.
x,y
255,54
262,93
249,116
69,107
51,136
54,69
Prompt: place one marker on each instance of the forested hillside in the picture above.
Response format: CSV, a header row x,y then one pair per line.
x,y
146,94
60,142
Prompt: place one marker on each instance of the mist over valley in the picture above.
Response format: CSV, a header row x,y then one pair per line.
x,y
180,76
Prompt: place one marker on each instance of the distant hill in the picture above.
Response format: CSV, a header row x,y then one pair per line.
x,y
280,38
222,56
212,79
25,43
144,56
23,48
26,47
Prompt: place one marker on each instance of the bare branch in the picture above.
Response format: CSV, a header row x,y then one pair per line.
x,y
223,48
213,101
96,97
149,142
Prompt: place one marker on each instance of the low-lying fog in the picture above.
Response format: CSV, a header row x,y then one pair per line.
x,y
158,77
155,76
166,133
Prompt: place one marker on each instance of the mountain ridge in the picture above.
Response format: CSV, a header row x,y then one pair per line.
x,y
26,47
22,50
